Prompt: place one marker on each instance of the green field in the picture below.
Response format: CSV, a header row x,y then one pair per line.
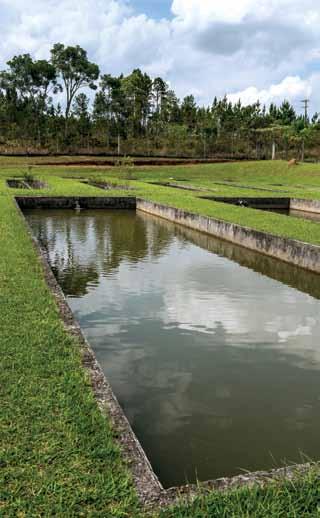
x,y
59,455
302,181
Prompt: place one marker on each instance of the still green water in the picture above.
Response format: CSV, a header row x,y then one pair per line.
x,y
212,350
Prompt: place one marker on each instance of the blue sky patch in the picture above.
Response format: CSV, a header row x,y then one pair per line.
x,y
153,8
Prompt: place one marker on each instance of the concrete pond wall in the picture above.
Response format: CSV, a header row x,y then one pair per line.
x,y
264,203
254,203
291,251
82,202
21,183
305,205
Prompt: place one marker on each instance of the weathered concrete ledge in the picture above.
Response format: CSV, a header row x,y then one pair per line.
x,y
72,202
179,186
295,252
21,183
108,186
248,187
263,203
248,480
305,205
17,183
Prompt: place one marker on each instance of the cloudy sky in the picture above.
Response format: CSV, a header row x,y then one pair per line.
x,y
267,49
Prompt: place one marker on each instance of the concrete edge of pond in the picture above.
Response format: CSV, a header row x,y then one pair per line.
x,y
304,255
249,187
247,480
305,205
285,203
149,489
73,202
108,186
180,186
251,202
21,183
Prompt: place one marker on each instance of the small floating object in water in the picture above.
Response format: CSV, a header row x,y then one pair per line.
x,y
77,207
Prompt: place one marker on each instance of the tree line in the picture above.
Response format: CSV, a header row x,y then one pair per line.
x,y
46,106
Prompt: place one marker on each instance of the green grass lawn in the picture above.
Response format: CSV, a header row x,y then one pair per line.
x,y
59,456
302,181
58,453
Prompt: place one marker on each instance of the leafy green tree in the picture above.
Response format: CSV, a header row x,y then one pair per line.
x,y
28,84
159,90
137,88
80,111
189,111
137,114
80,107
32,80
171,112
286,114
75,71
110,111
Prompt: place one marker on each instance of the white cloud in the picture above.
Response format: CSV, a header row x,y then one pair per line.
x,y
291,88
247,48
208,11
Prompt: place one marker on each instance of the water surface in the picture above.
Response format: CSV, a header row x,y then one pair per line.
x,y
211,349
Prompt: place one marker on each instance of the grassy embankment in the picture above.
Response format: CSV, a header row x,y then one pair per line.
x,y
58,453
59,456
302,181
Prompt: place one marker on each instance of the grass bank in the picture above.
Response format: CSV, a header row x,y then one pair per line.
x,y
59,456
235,179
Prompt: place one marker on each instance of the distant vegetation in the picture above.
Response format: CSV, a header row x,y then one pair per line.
x,y
43,108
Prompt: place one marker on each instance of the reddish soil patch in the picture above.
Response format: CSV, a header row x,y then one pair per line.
x,y
137,163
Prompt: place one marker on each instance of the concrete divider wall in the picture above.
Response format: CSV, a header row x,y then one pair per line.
x,y
270,203
305,205
295,252
254,203
84,202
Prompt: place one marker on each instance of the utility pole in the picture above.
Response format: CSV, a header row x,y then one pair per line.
x,y
204,145
305,103
119,144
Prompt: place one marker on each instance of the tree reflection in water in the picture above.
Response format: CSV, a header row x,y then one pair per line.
x,y
81,247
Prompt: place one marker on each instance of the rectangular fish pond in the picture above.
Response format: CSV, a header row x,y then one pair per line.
x,y
212,350
286,206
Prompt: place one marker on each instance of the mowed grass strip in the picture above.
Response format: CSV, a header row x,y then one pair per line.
x,y
58,453
277,224
302,181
